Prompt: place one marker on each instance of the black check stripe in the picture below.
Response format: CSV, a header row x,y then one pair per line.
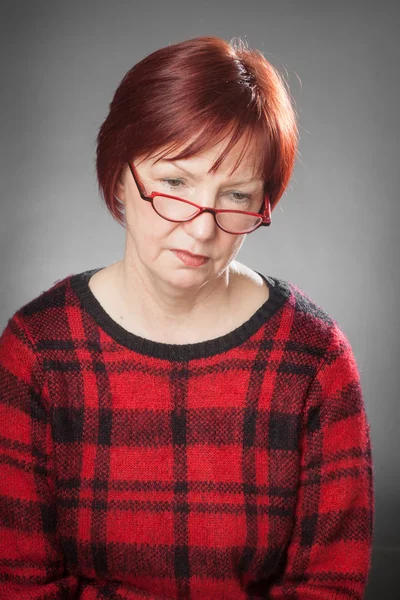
x,y
236,468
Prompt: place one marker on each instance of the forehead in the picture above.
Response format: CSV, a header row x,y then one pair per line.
x,y
244,157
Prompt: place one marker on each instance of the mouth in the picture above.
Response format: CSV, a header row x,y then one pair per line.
x,y
189,259
189,253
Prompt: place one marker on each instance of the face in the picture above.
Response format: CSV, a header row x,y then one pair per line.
x,y
151,239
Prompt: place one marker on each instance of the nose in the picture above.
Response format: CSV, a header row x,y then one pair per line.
x,y
202,227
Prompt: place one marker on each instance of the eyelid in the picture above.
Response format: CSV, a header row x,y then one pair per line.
x,y
195,178
232,191
166,180
228,191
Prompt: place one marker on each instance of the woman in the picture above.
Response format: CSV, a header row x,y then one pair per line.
x,y
177,425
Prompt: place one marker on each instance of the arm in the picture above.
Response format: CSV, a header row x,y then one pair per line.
x,y
31,561
329,553
31,565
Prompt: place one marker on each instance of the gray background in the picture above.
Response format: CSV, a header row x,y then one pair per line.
x,y
335,231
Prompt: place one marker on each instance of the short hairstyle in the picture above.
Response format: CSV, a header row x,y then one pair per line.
x,y
203,88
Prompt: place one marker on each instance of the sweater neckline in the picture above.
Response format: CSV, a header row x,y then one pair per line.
x,y
278,293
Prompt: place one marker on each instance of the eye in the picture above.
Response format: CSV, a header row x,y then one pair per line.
x,y
172,183
240,198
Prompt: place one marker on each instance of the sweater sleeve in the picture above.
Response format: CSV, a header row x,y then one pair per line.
x,y
31,565
330,549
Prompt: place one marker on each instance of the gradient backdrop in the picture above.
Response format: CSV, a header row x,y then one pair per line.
x,y
335,231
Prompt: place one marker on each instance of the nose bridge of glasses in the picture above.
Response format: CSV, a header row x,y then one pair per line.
x,y
207,210
204,221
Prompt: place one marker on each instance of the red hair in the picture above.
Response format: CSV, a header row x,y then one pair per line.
x,y
207,89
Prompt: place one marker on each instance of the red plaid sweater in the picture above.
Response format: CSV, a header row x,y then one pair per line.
x,y
236,468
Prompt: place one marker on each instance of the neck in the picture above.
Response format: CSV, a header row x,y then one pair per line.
x,y
160,306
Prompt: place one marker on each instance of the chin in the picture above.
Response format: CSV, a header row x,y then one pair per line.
x,y
185,278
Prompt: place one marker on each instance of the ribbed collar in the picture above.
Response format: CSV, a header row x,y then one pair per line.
x,y
279,291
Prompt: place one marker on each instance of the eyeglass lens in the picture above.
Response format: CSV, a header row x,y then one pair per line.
x,y
175,210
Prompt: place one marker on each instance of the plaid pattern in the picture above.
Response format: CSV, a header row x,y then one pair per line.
x,y
236,468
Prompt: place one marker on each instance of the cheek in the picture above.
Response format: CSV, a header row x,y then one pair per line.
x,y
148,231
236,243
138,213
142,220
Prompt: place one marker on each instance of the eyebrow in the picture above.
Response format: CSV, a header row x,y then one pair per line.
x,y
197,177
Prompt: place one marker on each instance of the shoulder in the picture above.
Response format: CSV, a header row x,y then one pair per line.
x,y
45,314
309,337
26,332
308,325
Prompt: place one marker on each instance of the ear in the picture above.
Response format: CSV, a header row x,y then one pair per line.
x,y
120,186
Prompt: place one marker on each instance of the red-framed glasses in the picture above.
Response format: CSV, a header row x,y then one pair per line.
x,y
179,210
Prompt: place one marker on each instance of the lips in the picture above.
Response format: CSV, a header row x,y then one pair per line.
x,y
189,259
190,253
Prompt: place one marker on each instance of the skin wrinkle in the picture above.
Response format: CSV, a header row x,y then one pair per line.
x,y
172,295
